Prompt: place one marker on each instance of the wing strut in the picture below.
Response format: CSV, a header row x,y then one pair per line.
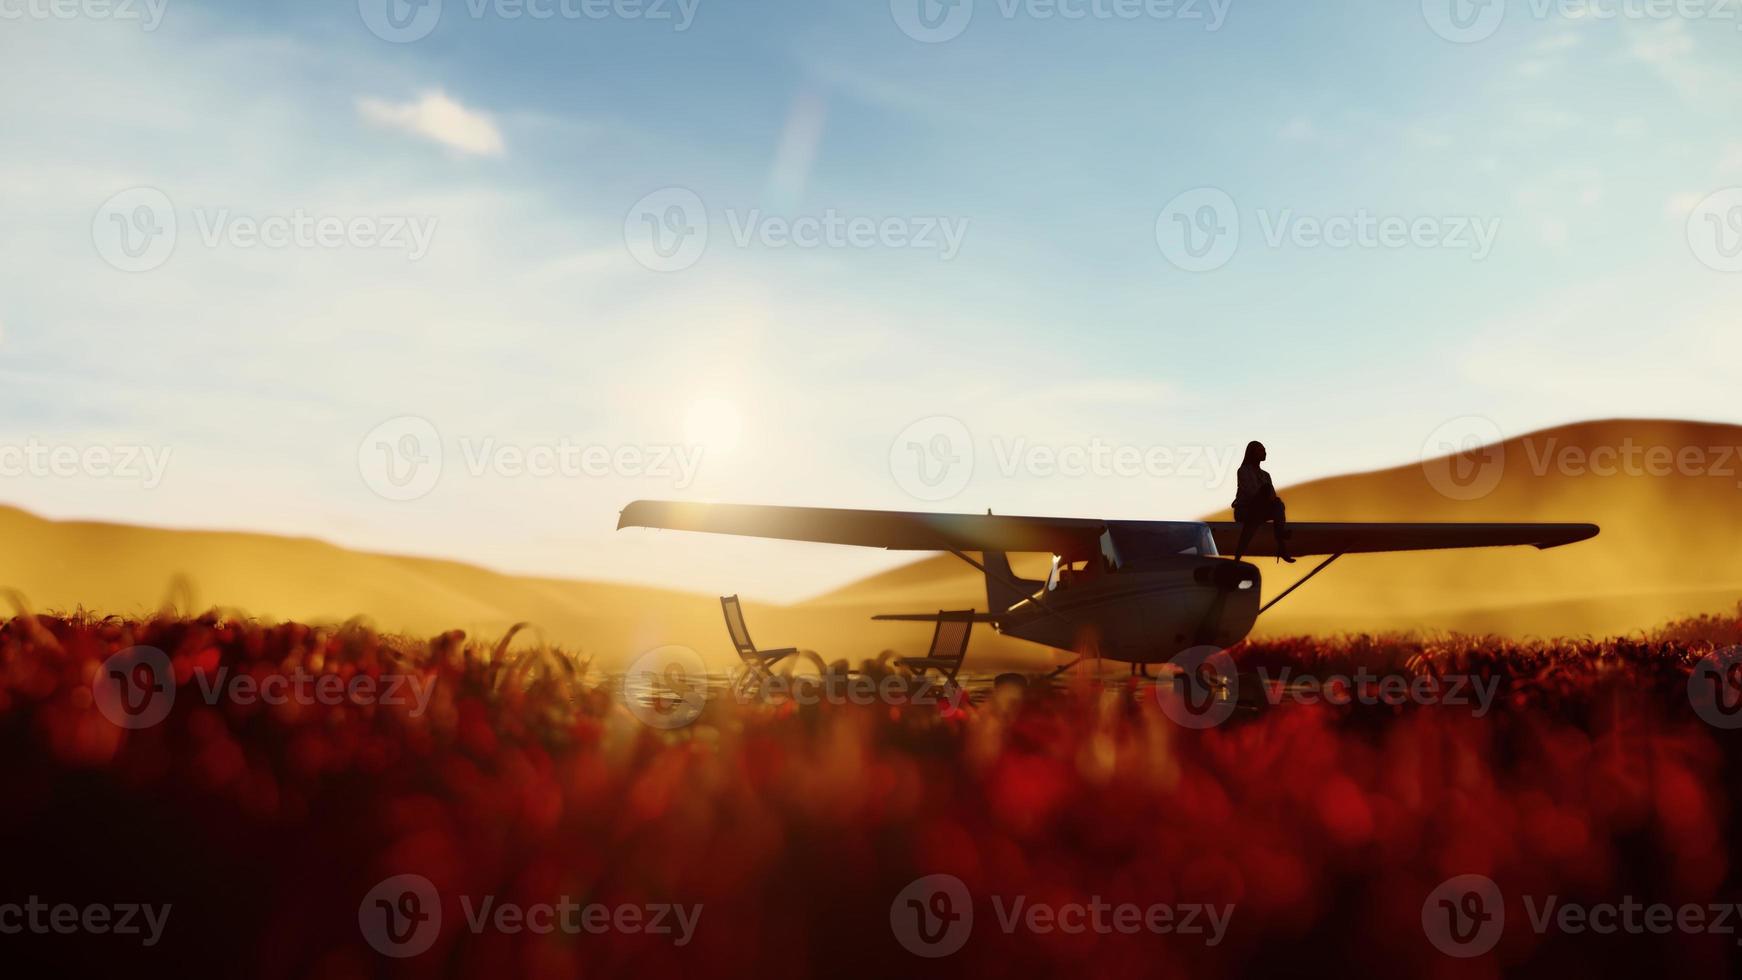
x,y
1321,567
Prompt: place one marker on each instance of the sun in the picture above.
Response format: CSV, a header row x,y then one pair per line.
x,y
713,424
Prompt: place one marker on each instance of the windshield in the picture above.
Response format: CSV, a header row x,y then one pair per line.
x,y
1150,539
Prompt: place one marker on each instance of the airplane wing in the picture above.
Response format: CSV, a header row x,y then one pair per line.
x,y
1071,537
895,530
1348,539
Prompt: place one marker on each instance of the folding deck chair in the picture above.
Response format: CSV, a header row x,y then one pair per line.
x,y
756,661
949,645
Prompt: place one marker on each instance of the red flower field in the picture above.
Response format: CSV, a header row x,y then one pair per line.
x,y
268,815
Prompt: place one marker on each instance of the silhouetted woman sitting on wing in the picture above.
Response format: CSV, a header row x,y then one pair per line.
x,y
1256,503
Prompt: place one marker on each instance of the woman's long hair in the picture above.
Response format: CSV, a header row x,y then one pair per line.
x,y
1254,449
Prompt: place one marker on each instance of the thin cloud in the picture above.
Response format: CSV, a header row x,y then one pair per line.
x,y
435,117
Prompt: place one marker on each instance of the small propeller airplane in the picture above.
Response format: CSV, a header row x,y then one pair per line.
x,y
1136,592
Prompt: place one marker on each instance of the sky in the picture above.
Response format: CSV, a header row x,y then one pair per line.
x,y
462,278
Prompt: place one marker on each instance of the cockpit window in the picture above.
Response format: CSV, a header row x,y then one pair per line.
x,y
1109,552
1064,573
1155,539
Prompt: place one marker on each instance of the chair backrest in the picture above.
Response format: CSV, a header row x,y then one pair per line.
x,y
950,640
735,625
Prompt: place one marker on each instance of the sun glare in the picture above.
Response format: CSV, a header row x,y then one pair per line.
x,y
713,424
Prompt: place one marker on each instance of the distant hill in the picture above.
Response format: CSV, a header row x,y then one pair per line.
x,y
117,568
1669,548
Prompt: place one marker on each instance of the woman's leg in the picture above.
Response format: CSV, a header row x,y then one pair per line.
x,y
1280,516
1246,529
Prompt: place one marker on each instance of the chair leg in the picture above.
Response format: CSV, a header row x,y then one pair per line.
x,y
755,678
1060,671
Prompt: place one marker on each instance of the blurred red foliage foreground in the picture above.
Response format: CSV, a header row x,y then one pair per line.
x,y
204,797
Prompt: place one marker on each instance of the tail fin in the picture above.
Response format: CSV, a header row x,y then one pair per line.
x,y
1003,588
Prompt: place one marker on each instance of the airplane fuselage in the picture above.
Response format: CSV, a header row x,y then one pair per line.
x,y
1145,613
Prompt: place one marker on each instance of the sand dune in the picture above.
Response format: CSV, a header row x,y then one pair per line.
x,y
1668,548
